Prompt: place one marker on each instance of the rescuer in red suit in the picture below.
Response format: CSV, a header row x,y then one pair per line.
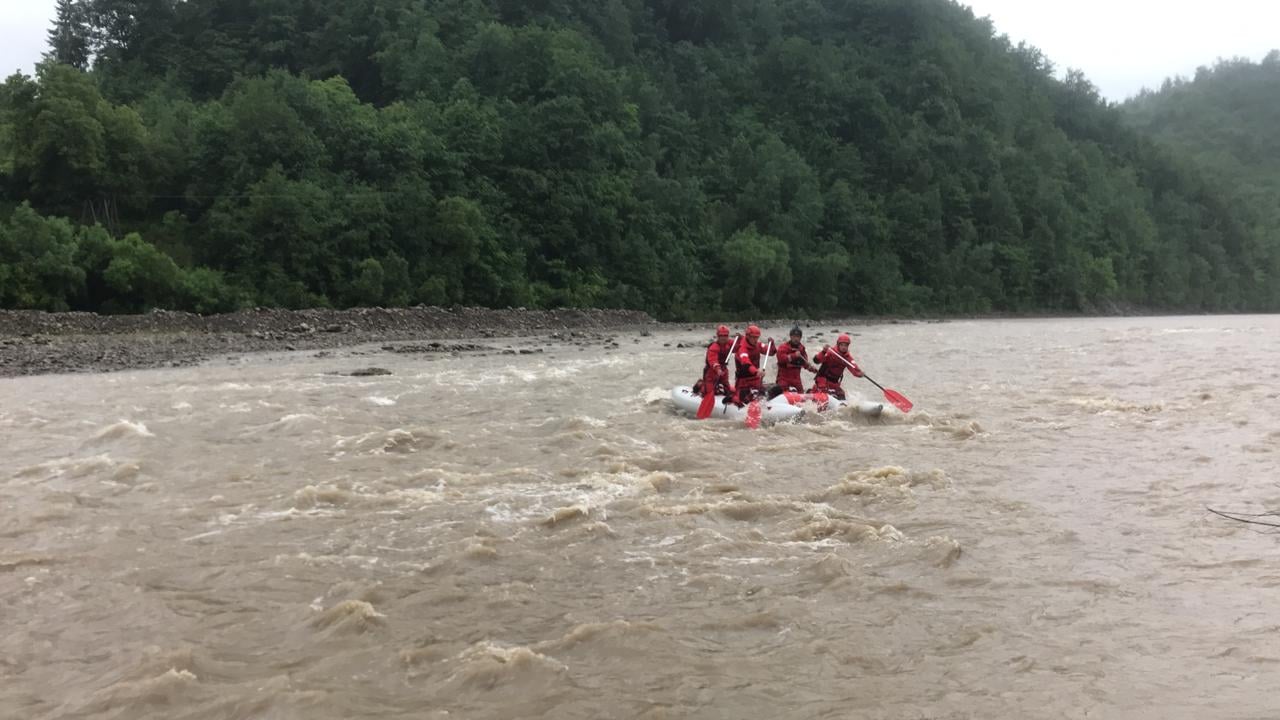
x,y
715,371
749,379
831,366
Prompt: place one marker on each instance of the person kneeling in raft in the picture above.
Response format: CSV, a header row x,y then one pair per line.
x,y
792,358
831,366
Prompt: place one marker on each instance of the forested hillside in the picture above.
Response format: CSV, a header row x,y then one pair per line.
x,y
1227,118
683,157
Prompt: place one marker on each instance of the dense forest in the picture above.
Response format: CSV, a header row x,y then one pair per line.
x,y
684,157
1226,118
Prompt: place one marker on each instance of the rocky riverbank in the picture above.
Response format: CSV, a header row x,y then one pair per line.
x,y
33,343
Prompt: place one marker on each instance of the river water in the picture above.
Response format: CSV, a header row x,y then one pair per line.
x,y
542,536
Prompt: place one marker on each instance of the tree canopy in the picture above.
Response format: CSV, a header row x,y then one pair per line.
x,y
1227,119
685,158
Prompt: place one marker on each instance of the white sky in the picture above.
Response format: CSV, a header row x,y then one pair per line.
x,y
24,25
1121,45
1125,45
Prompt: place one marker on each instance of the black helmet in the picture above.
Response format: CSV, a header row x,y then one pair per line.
x,y
797,331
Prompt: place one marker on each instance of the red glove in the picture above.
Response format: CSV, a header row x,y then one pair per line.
x,y
857,372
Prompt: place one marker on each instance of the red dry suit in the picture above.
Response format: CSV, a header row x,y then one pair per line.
x,y
791,358
831,371
715,371
747,356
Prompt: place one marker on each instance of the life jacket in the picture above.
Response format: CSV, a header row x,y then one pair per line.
x,y
832,369
788,374
717,354
747,357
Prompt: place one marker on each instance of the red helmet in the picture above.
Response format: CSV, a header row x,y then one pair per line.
x,y
842,339
722,330
753,331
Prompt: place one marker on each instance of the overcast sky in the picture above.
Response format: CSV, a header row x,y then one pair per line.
x,y
1122,45
23,25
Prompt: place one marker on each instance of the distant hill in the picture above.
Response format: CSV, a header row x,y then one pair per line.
x,y
685,157
1227,118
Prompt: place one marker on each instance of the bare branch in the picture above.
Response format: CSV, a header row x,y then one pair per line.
x,y
1241,517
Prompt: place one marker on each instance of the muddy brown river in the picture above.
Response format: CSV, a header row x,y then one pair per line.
x,y
542,536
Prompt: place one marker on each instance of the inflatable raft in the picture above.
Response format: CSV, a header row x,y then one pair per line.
x,y
787,406
822,403
771,411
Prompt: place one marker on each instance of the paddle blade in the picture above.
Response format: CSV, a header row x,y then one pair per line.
x,y
898,400
707,405
754,412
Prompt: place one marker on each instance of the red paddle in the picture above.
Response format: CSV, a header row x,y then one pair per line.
x,y
899,401
753,410
709,390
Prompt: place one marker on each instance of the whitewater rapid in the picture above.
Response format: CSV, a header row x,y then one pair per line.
x,y
541,535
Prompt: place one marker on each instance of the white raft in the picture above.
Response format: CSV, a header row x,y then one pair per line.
x,y
787,406
824,403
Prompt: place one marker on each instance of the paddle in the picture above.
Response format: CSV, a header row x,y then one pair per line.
x,y
754,410
709,390
899,401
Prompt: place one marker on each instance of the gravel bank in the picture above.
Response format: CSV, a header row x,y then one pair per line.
x,y
33,343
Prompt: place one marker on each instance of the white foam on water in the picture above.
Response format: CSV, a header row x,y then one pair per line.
x,y
890,534
290,422
69,467
393,440
487,664
651,395
380,401
502,513
827,543
1195,331
311,497
549,502
512,375
1113,405
415,497
293,512
366,562
123,429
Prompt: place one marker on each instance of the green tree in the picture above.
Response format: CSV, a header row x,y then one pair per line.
x,y
38,267
758,271
69,36
69,148
687,158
